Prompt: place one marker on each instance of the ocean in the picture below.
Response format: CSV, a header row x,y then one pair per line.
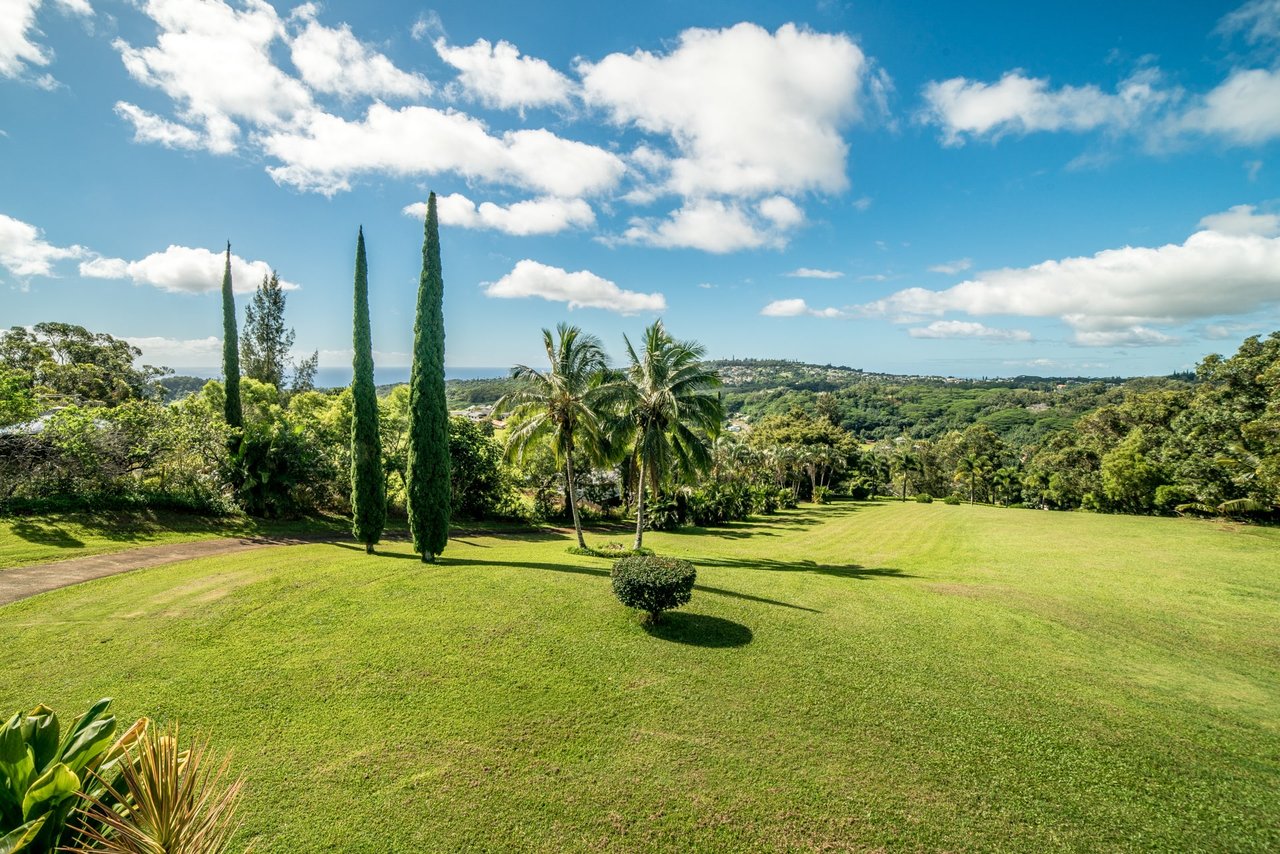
x,y
338,377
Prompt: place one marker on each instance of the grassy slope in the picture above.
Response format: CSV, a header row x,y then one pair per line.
x,y
42,538
913,677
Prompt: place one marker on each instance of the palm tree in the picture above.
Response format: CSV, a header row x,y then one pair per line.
x,y
560,404
905,463
671,405
1005,480
972,465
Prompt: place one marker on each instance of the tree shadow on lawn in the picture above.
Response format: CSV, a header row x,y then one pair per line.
x,y
45,534
700,630
569,568
851,570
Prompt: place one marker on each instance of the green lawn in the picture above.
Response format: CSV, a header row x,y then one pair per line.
x,y
872,676
43,538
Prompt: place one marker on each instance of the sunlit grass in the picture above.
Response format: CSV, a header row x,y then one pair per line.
x,y
906,677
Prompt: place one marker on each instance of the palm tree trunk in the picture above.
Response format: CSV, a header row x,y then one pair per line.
x,y
640,507
573,495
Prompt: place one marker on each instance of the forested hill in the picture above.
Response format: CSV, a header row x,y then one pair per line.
x,y
880,406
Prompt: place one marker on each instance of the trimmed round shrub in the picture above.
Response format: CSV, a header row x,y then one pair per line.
x,y
952,500
653,584
924,498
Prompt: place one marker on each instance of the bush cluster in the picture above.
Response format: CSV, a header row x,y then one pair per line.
x,y
924,498
653,584
951,499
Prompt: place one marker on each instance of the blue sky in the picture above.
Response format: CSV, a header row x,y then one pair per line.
x,y
1051,188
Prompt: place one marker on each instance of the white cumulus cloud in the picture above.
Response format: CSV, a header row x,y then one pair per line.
x,y
333,60
215,62
498,76
811,273
716,226
24,251
329,151
19,51
951,267
535,216
965,108
967,329
1212,273
1244,108
748,111
183,269
1242,219
798,308
582,289
148,127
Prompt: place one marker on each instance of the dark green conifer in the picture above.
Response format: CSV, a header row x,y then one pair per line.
x,y
230,351
368,485
428,470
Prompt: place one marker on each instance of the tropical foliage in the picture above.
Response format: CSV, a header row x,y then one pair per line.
x,y
561,406
44,770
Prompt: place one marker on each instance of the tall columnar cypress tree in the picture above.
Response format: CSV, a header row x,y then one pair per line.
x,y
428,472
368,486
230,351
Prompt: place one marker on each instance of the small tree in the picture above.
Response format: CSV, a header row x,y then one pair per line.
x,y
267,342
563,404
670,402
368,484
230,351
427,475
653,584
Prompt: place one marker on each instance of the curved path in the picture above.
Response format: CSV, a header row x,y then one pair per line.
x,y
27,581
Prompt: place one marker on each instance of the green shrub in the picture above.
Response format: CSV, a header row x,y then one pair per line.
x,y
653,584
764,500
663,515
42,769
822,495
925,498
1169,496
951,499
787,499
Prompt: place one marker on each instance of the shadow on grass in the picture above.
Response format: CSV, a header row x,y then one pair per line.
x,y
45,534
567,568
764,526
700,630
851,570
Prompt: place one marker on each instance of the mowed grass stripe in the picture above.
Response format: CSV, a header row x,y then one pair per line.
x,y
898,676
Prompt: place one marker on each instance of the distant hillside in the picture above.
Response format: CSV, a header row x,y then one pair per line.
x,y
880,406
877,406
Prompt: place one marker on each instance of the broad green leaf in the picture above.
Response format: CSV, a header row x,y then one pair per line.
x,y
12,744
40,729
49,789
19,838
17,764
90,743
96,711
